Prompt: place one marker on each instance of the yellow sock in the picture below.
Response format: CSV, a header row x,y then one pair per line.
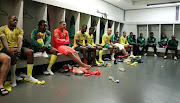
x,y
100,55
29,69
40,41
52,61
97,62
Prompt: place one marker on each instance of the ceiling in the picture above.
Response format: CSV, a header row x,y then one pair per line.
x,y
141,4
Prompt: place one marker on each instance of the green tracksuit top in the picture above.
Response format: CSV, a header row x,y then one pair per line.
x,y
141,41
35,44
171,43
164,40
130,40
151,40
115,38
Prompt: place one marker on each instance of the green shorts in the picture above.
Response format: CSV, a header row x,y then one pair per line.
x,y
78,48
48,49
2,50
22,55
106,46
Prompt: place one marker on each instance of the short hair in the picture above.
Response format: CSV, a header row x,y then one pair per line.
x,y
131,32
124,32
62,22
41,22
91,28
173,36
109,29
84,25
10,16
141,33
151,33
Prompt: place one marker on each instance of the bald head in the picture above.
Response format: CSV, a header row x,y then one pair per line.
x,y
12,20
109,31
84,28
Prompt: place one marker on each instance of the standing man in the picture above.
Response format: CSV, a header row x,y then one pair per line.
x,y
115,40
172,44
151,42
141,42
60,41
11,37
38,47
106,42
81,44
124,41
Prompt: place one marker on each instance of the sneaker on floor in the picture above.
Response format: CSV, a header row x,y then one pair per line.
x,y
155,55
165,57
107,59
30,78
145,54
19,78
113,59
120,60
175,58
44,54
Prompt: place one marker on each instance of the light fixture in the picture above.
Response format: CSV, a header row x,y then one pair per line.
x,y
165,3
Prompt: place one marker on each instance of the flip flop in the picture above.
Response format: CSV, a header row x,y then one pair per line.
x,y
83,69
7,85
3,90
76,71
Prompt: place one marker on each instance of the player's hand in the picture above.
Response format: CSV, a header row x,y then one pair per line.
x,y
18,52
10,51
150,44
88,47
44,48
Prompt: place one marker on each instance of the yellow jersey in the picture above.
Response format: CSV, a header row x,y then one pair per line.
x,y
81,37
11,36
123,40
43,36
91,40
107,38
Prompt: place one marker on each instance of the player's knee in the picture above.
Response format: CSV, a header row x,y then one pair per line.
x,y
83,48
110,47
55,51
29,52
70,53
6,60
100,48
93,48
